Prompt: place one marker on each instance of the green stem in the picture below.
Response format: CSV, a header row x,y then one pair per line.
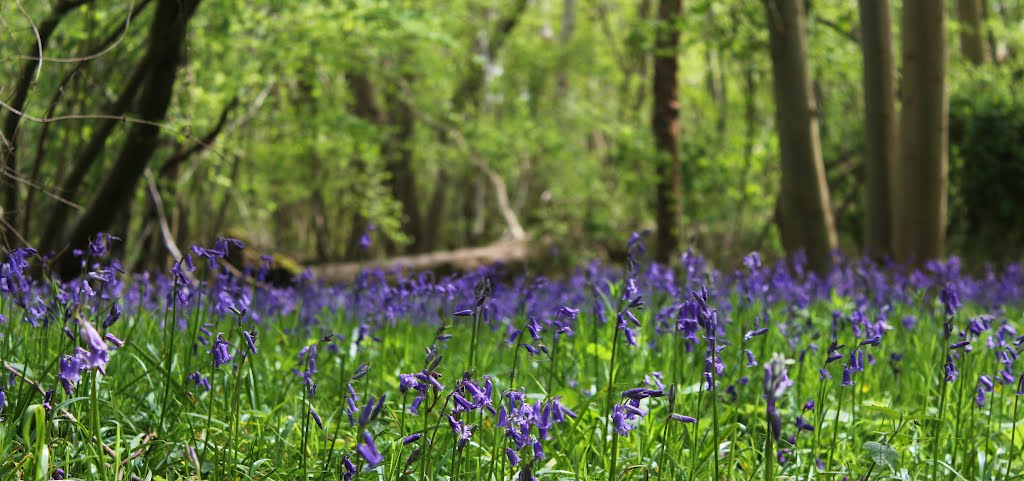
x,y
835,430
609,401
1013,437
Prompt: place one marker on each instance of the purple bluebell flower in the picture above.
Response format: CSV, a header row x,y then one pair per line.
x,y
221,351
462,431
412,438
70,373
951,372
250,340
316,418
681,418
199,379
756,332
847,377
113,315
751,362
950,299
350,469
113,340
513,457
368,450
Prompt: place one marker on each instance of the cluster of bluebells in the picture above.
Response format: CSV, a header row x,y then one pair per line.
x,y
707,319
529,424
631,299
95,355
627,415
423,382
380,299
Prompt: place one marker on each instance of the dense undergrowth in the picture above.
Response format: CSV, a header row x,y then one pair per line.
x,y
635,372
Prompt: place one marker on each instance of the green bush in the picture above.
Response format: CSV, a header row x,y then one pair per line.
x,y
986,119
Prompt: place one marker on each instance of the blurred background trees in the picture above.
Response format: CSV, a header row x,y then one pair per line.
x,y
302,126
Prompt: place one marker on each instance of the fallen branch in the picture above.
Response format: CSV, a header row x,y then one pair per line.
x,y
513,252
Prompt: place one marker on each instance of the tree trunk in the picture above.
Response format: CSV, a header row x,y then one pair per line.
x,y
86,157
972,32
665,127
806,214
919,198
400,164
879,125
167,38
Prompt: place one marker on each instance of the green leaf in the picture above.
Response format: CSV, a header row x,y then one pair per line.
x,y
882,454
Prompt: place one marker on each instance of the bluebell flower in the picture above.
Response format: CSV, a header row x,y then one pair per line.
x,y
412,438
951,372
113,315
462,431
250,341
70,373
221,351
681,418
513,457
368,450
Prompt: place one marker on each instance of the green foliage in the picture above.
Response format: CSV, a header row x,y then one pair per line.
x,y
987,164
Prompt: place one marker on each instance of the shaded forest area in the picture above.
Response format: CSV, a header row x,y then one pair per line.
x,y
345,130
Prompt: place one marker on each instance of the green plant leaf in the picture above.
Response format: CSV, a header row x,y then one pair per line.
x,y
882,454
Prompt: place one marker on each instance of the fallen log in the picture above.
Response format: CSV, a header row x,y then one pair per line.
x,y
512,253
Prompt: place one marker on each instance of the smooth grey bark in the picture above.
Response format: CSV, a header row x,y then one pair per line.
x,y
919,200
806,214
880,125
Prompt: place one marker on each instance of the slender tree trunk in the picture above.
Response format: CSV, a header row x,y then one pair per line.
x,y
400,164
86,157
167,39
665,127
919,227
879,124
972,32
806,214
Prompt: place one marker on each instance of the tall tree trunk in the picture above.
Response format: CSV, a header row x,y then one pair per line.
x,y
879,125
971,14
919,226
806,214
400,164
665,127
166,45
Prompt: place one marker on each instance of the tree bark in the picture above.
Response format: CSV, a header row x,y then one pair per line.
x,y
806,214
165,51
87,156
880,125
399,163
972,32
665,127
919,198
